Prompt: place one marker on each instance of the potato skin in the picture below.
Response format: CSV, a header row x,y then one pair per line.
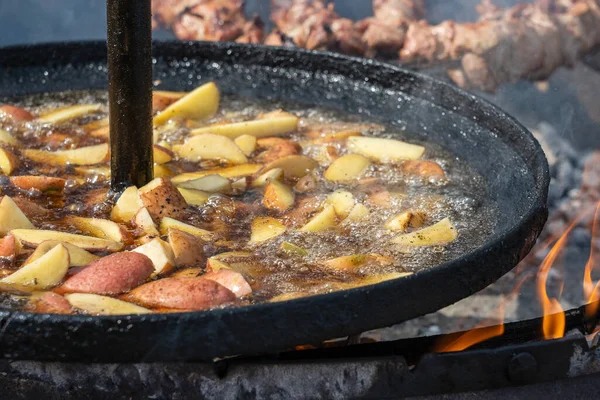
x,y
424,169
164,200
50,302
232,280
181,294
114,274
15,113
42,183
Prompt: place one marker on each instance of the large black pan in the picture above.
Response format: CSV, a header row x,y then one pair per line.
x,y
492,142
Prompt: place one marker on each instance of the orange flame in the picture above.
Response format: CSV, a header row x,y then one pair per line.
x,y
591,291
554,321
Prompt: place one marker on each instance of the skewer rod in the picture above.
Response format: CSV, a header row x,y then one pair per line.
x,y
130,92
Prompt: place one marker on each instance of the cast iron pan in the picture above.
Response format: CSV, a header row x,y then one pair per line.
x,y
496,145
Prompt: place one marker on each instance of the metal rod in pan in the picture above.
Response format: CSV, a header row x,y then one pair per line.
x,y
130,92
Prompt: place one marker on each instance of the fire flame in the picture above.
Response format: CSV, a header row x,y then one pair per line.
x,y
591,291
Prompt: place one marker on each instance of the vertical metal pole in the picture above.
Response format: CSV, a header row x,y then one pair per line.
x,y
130,92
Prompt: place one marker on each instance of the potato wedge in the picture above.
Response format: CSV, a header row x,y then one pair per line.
x,y
78,257
358,212
259,128
45,272
209,183
353,263
384,150
162,171
143,220
114,274
46,184
404,220
34,237
11,217
89,155
347,168
160,253
8,161
246,143
232,280
200,103
342,201
7,138
99,170
64,114
194,197
162,99
265,228
236,171
10,248
128,204
274,174
278,196
162,155
437,234
188,250
323,221
294,167
212,147
162,199
102,228
214,264
103,305
15,113
167,223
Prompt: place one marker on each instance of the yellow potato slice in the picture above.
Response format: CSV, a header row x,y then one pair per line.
x,y
99,170
384,150
440,233
275,174
160,253
294,167
194,197
127,206
236,171
258,128
167,223
103,305
323,221
202,102
265,228
278,196
212,147
34,237
82,156
161,155
66,113
8,161
403,221
358,212
209,183
11,217
144,221
45,272
78,257
342,201
102,228
246,143
7,138
347,168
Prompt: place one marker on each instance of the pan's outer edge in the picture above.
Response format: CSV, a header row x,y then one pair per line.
x,y
270,327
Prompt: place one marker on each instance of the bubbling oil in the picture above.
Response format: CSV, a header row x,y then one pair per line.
x,y
462,196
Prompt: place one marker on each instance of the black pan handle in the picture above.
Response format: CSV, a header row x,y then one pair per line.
x,y
130,92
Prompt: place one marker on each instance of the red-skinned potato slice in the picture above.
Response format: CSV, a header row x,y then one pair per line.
x,y
41,183
15,113
114,274
181,294
48,302
162,199
232,280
